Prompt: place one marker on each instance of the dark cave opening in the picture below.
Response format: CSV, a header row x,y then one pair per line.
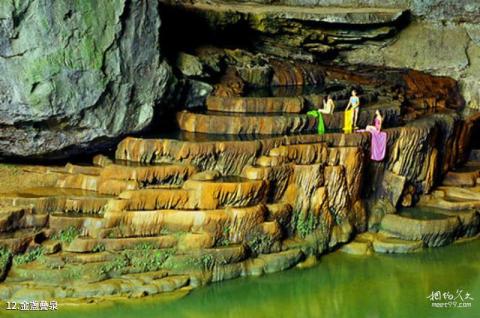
x,y
184,30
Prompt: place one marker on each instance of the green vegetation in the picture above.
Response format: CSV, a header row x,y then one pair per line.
x,y
5,261
74,272
207,261
144,258
99,247
4,254
190,262
224,241
67,235
117,265
150,261
305,225
28,257
260,243
144,246
164,231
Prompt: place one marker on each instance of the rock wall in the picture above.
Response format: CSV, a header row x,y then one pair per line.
x,y
458,10
449,49
75,72
441,37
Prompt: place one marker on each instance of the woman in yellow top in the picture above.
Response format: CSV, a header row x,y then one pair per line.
x,y
354,103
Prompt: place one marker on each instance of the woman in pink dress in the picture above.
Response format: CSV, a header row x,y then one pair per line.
x,y
379,138
377,123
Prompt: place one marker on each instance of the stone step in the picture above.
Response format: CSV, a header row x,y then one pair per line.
x,y
101,161
396,246
82,169
226,157
433,232
61,259
206,258
461,179
278,178
51,274
195,194
225,192
302,154
97,183
85,225
262,124
368,242
231,224
446,203
130,285
284,104
165,174
18,241
150,199
12,218
84,244
358,247
125,287
220,123
469,219
459,194
48,200
255,104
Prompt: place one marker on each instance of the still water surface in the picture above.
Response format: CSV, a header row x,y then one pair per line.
x,y
340,285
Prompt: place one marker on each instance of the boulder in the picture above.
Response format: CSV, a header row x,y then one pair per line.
x,y
433,232
76,72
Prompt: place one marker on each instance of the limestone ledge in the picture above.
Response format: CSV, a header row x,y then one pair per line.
x,y
434,232
274,124
255,104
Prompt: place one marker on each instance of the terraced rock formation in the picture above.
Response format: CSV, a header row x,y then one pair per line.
x,y
193,212
227,199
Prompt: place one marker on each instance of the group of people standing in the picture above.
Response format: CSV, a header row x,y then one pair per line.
x,y
379,138
351,113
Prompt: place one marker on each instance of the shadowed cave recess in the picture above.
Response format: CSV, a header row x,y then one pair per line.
x,y
173,149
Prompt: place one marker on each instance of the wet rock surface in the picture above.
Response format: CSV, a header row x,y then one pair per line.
x,y
294,30
171,214
433,232
76,73
208,211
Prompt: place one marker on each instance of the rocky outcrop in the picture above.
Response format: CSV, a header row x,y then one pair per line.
x,y
433,232
214,210
297,32
255,105
244,125
442,38
443,10
78,72
451,50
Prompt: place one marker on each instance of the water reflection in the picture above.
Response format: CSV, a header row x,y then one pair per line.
x,y
340,286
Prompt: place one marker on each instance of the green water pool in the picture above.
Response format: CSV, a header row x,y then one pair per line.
x,y
341,285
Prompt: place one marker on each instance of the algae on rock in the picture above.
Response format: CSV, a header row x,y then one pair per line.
x,y
77,71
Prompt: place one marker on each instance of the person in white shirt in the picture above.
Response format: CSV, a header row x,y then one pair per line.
x,y
328,106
